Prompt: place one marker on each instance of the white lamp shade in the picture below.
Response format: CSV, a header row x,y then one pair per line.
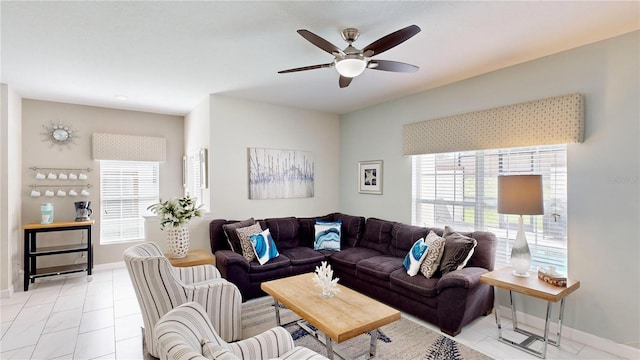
x,y
351,67
520,195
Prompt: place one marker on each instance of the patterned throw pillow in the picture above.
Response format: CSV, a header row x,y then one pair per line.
x,y
457,250
415,256
232,237
327,235
434,254
245,243
217,352
264,246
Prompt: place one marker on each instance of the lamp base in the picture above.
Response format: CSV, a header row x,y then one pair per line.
x,y
525,275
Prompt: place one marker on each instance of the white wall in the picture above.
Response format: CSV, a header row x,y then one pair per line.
x,y
196,137
604,171
237,125
37,151
10,190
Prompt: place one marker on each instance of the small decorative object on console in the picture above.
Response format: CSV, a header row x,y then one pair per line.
x,y
552,277
322,278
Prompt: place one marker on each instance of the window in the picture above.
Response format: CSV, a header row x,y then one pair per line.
x,y
127,188
460,189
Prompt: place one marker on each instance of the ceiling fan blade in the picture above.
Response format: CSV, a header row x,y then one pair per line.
x,y
311,67
320,42
387,42
395,66
344,81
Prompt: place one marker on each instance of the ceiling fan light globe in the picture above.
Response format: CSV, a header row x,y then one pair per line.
x,y
351,67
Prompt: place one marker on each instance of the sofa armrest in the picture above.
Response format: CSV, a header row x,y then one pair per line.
x,y
467,278
267,345
227,258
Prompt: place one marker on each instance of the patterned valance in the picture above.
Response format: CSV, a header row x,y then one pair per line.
x,y
554,120
129,147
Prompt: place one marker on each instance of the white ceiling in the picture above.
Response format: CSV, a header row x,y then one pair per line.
x,y
166,57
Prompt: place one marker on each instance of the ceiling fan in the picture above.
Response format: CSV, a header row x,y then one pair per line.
x,y
351,62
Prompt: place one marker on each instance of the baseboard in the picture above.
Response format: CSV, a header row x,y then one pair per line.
x,y
621,350
110,266
7,293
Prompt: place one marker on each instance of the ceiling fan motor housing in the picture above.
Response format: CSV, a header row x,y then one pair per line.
x,y
350,35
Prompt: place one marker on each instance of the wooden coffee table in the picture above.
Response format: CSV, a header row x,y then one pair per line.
x,y
344,316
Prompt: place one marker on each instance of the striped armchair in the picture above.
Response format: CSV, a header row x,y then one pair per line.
x,y
161,287
185,333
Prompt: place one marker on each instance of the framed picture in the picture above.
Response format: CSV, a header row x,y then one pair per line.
x,y
370,177
280,174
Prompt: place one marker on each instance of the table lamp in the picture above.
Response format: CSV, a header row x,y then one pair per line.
x,y
520,195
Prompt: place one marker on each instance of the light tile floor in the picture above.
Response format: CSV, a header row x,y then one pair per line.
x,y
70,318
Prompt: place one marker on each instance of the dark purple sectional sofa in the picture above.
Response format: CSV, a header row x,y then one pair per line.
x,y
370,261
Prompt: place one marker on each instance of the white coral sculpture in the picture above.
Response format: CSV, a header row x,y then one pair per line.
x,y
322,279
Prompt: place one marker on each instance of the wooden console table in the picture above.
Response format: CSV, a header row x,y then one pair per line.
x,y
534,287
32,250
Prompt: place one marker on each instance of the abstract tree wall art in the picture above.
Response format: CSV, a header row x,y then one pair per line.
x,y
280,174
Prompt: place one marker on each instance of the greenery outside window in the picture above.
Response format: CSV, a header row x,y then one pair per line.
x,y
460,189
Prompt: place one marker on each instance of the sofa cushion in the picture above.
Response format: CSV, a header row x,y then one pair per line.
x,y
263,246
415,256
303,255
403,237
327,235
419,285
379,266
345,261
377,235
431,262
280,261
456,250
244,234
232,237
284,231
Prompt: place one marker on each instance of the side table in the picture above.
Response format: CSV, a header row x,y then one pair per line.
x,y
534,287
194,257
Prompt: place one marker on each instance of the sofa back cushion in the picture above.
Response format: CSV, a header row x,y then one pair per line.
x,y
484,254
306,230
377,235
285,232
352,229
403,236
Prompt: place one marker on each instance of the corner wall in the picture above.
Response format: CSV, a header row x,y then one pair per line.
x,y
10,189
236,125
604,171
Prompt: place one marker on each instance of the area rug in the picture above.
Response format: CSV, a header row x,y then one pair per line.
x,y
402,339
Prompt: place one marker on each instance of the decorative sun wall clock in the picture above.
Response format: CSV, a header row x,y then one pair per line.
x,y
59,134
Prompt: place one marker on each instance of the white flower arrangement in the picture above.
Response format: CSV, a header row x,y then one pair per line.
x,y
176,212
323,279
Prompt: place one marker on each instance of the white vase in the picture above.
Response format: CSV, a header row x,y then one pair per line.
x,y
178,241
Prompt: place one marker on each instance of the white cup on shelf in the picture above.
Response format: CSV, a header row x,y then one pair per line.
x,y
72,192
52,176
84,192
73,176
62,176
82,176
40,176
35,193
61,193
49,193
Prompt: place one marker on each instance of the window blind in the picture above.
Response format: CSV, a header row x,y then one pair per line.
x,y
127,188
460,189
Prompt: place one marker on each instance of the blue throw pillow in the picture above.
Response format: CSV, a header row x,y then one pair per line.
x,y
327,235
264,247
414,258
